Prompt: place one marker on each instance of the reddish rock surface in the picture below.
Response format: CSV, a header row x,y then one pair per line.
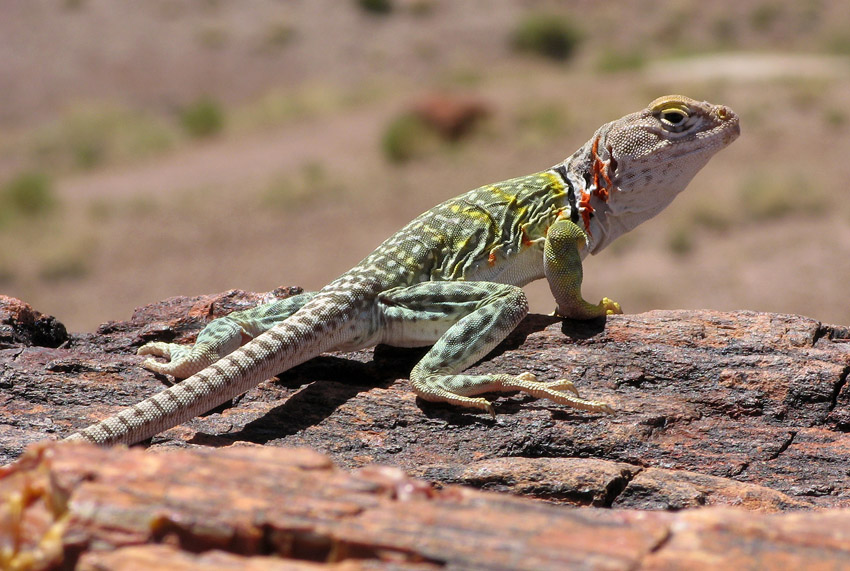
x,y
713,409
78,506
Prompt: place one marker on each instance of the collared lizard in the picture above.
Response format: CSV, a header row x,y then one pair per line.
x,y
452,277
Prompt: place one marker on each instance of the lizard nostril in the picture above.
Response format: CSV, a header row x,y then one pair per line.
x,y
722,112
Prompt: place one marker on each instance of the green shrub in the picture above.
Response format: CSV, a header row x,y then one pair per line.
x,y
376,6
614,60
213,37
680,240
203,118
763,200
407,137
279,34
712,215
292,190
422,7
61,268
835,117
547,35
543,121
839,43
28,194
767,197
88,136
764,16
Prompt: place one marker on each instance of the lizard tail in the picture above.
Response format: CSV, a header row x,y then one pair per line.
x,y
286,345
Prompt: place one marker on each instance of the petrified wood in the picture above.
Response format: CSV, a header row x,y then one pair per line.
x,y
741,408
76,506
714,409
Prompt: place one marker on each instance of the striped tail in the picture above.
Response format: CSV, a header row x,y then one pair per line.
x,y
301,337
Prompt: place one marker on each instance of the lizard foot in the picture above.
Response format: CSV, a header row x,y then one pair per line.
x,y
589,311
183,360
611,307
561,391
559,385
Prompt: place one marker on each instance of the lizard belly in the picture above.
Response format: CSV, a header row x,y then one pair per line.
x,y
416,333
519,269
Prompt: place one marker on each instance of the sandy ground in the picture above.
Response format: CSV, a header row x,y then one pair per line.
x,y
195,219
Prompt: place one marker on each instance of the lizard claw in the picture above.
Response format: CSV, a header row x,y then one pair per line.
x,y
563,385
156,348
559,385
611,307
181,361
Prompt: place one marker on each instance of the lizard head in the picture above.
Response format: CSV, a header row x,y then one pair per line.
x,y
637,165
656,152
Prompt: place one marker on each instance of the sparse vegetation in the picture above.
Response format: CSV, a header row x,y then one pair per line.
x,y
548,35
839,43
764,16
540,123
673,27
724,31
835,117
279,106
407,137
92,135
203,118
286,191
279,35
65,266
66,262
680,240
712,214
28,194
330,87
135,207
612,60
422,7
376,6
766,197
213,37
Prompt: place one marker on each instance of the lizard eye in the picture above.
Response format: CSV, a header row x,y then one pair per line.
x,y
673,117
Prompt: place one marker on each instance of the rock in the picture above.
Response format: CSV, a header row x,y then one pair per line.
x,y
452,116
743,409
75,505
20,324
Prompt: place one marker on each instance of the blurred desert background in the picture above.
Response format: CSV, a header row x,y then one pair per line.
x,y
177,147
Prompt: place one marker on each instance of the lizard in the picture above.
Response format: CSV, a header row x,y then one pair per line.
x,y
452,278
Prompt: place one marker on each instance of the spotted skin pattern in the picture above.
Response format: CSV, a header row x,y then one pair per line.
x,y
452,278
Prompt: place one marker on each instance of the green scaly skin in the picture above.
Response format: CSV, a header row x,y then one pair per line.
x,y
453,277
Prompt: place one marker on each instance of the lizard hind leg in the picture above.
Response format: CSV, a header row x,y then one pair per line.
x,y
465,321
220,337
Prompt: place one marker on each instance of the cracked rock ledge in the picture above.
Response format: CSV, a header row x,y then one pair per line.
x,y
730,448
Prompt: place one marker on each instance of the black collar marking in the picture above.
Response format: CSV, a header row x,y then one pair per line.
x,y
571,192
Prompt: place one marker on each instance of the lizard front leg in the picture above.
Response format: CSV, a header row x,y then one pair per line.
x,y
563,270
220,337
465,321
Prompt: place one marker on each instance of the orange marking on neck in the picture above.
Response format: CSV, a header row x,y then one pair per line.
x,y
600,169
586,210
491,259
525,240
